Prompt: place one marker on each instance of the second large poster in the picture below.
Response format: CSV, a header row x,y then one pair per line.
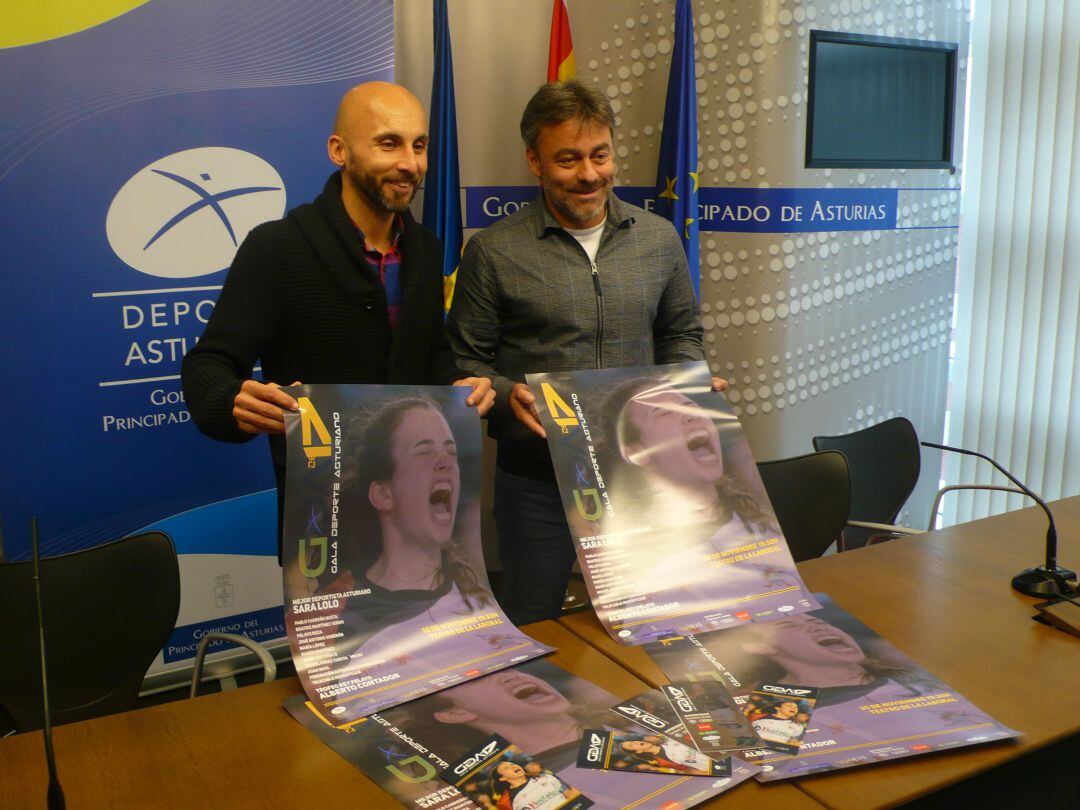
x,y
672,525
871,702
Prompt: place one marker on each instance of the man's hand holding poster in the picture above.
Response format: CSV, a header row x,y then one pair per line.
x,y
671,523
386,593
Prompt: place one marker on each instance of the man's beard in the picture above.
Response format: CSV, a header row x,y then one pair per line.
x,y
371,187
560,199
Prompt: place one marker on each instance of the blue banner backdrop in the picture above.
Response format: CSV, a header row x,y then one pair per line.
x,y
134,157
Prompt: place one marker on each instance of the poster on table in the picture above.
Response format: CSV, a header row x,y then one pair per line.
x,y
873,702
670,520
386,593
539,708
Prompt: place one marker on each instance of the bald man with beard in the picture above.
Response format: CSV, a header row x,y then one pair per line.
x,y
346,289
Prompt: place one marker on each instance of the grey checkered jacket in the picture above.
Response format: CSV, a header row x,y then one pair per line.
x,y
527,299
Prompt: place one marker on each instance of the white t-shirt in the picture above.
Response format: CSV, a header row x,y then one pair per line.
x,y
589,239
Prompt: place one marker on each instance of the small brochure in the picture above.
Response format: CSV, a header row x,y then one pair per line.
x,y
651,711
500,775
711,717
780,714
647,753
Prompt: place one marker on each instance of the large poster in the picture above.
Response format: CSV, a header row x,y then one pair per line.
x,y
537,706
672,525
873,703
139,143
386,593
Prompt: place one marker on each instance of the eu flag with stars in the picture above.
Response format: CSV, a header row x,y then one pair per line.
x,y
442,189
677,173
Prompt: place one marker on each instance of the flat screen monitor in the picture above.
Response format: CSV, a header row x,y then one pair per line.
x,y
880,102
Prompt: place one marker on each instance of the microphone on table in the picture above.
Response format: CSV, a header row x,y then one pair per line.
x,y
1048,579
55,795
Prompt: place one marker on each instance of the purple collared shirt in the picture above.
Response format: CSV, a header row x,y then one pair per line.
x,y
388,268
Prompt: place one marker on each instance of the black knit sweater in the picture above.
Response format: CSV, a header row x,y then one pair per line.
x,y
301,297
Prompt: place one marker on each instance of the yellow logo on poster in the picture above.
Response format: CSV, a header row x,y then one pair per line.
x,y
314,435
556,406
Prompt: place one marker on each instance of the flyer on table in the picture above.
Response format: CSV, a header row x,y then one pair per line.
x,y
645,753
873,702
711,716
386,592
540,709
670,520
499,774
780,714
652,711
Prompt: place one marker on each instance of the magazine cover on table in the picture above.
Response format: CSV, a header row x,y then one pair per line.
x,y
386,592
873,703
670,520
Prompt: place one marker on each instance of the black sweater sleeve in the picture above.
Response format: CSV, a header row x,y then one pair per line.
x,y
243,323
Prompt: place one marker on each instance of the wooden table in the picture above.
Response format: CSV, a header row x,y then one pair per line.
x,y
943,598
240,749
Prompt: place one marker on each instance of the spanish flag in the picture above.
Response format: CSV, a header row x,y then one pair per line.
x,y
560,48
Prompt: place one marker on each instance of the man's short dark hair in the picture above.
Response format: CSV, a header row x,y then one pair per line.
x,y
557,102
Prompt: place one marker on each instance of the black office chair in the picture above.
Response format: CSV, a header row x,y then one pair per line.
x,y
107,611
811,496
884,465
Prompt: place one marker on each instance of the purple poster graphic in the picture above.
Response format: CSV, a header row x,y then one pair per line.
x,y
671,523
538,707
873,704
386,594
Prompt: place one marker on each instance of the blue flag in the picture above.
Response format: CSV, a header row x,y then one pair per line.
x,y
442,189
677,172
